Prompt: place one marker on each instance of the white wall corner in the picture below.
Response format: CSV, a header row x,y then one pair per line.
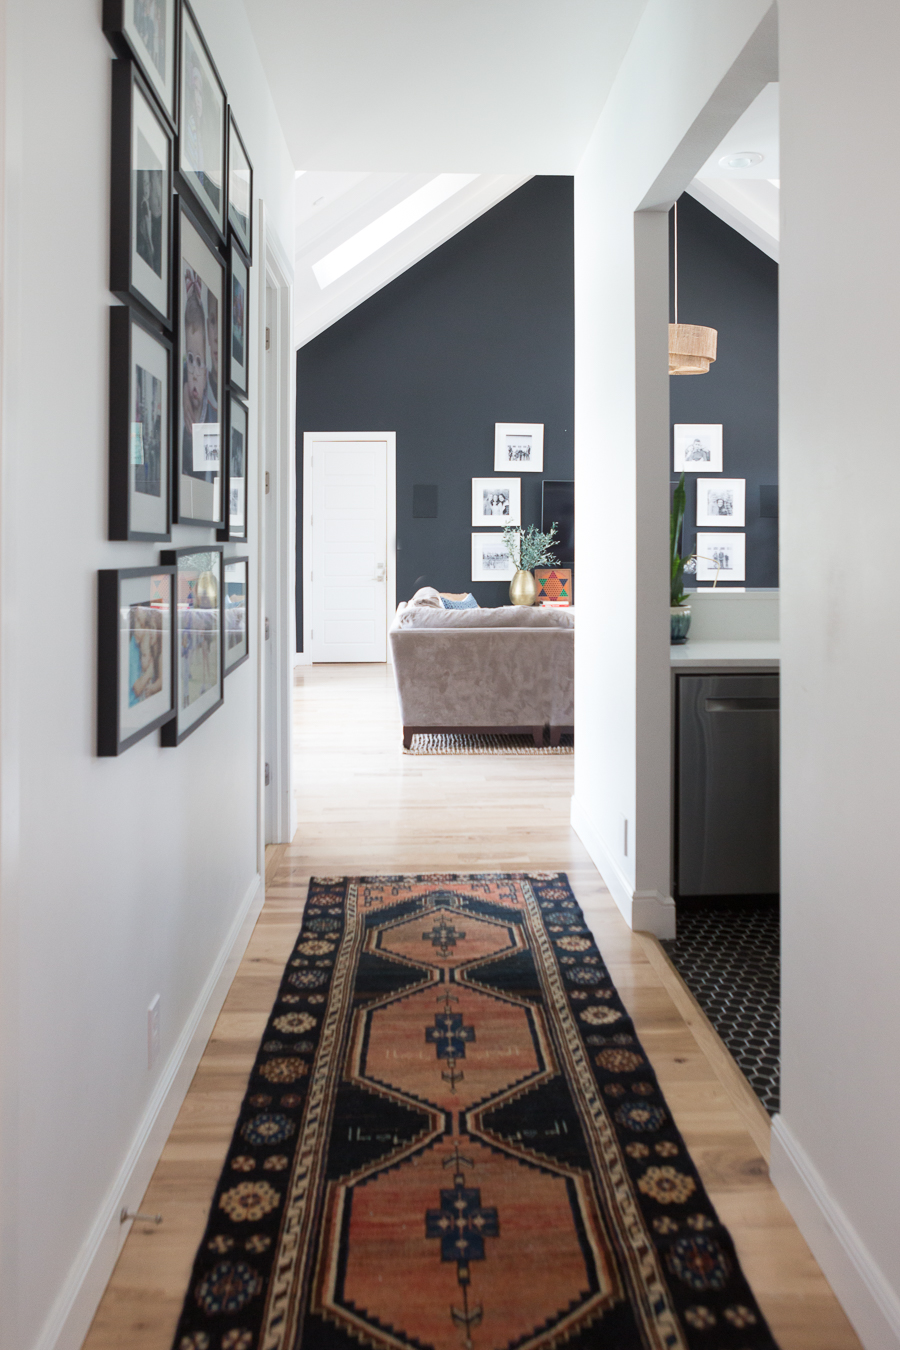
x,y
865,1294
73,1311
645,911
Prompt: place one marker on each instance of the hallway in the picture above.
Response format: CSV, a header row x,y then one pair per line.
x,y
364,807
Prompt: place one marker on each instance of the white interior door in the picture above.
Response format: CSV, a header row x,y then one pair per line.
x,y
351,525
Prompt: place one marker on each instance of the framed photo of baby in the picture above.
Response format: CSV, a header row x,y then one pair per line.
x,y
200,393
201,123
146,30
238,321
140,427
199,669
135,689
237,590
142,155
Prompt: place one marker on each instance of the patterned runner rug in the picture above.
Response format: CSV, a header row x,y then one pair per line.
x,y
452,1139
483,743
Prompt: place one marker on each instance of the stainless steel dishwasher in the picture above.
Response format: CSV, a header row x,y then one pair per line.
x,y
726,808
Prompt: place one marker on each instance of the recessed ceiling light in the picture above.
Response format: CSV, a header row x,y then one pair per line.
x,y
741,159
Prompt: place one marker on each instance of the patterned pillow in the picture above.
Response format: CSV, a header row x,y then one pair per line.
x,y
469,602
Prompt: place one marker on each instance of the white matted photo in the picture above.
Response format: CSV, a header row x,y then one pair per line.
x,y
496,499
519,446
721,556
698,447
720,501
490,559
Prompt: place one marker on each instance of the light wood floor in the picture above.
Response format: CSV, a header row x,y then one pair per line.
x,y
363,806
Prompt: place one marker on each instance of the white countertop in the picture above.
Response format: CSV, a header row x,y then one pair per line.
x,y
725,655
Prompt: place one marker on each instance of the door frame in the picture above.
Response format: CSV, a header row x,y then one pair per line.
x,y
390,590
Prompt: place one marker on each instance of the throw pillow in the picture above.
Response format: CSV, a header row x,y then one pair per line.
x,y
467,602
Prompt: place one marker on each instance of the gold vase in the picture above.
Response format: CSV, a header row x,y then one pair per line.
x,y
522,589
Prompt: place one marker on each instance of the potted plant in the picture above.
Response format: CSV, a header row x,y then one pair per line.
x,y
528,549
680,613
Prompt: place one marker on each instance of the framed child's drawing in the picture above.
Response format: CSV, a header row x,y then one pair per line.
x,y
236,472
237,631
140,427
147,30
201,123
238,321
199,669
135,690
240,190
142,156
200,395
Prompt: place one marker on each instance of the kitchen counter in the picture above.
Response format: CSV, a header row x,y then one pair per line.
x,y
726,654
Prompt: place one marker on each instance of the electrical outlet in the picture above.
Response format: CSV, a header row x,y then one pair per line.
x,y
153,1033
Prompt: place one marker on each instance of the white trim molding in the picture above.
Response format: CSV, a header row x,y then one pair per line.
x,y
643,911
72,1313
864,1291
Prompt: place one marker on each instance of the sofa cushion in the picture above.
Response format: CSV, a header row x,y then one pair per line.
x,y
464,602
507,616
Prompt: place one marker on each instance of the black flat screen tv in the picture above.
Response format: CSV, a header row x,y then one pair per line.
x,y
558,504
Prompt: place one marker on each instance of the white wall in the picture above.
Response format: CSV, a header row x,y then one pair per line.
x,y
691,70
835,1154
119,879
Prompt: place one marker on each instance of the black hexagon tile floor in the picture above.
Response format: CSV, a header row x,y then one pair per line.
x,y
727,953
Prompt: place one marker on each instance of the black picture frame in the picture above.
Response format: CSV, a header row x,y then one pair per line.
x,y
136,511
137,36
191,565
236,456
141,200
201,94
230,628
115,592
195,252
238,335
240,190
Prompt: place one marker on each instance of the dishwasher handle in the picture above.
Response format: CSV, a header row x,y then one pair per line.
x,y
721,705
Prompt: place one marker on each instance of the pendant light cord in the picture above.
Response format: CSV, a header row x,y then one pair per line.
x,y
676,262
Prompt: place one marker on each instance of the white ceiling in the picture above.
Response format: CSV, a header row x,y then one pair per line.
x,y
441,86
747,199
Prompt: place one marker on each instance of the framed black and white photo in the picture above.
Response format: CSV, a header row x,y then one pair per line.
x,y
140,427
698,447
490,559
240,189
142,154
135,685
199,395
519,446
496,499
720,557
236,472
237,631
147,30
238,321
720,502
201,123
199,670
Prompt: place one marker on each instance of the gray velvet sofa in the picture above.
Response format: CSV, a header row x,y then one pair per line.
x,y
488,670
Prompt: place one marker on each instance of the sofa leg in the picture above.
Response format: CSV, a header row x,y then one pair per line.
x,y
538,734
555,735
407,737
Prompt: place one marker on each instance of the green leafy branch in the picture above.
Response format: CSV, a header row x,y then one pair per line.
x,y
531,548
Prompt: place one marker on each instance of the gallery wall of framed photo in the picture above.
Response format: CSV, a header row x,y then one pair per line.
x,y
181,254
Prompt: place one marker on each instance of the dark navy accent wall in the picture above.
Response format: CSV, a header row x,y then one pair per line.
x,y
726,283
480,331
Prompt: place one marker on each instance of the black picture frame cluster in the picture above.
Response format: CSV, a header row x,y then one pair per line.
x,y
181,253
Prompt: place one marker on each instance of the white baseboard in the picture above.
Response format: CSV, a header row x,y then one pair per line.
x,y
73,1311
864,1292
646,911
302,659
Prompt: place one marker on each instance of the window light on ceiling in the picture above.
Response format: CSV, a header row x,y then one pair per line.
x,y
374,236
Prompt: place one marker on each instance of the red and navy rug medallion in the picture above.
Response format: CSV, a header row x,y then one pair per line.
x,y
452,1140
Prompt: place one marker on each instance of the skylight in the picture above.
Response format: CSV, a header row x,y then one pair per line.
x,y
374,236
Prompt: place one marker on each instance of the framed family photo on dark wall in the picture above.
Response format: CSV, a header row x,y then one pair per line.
x,y
235,526
201,123
199,670
135,689
200,394
240,189
147,30
142,155
237,631
239,321
140,427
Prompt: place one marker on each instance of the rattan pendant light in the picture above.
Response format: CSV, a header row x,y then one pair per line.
x,y
692,349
